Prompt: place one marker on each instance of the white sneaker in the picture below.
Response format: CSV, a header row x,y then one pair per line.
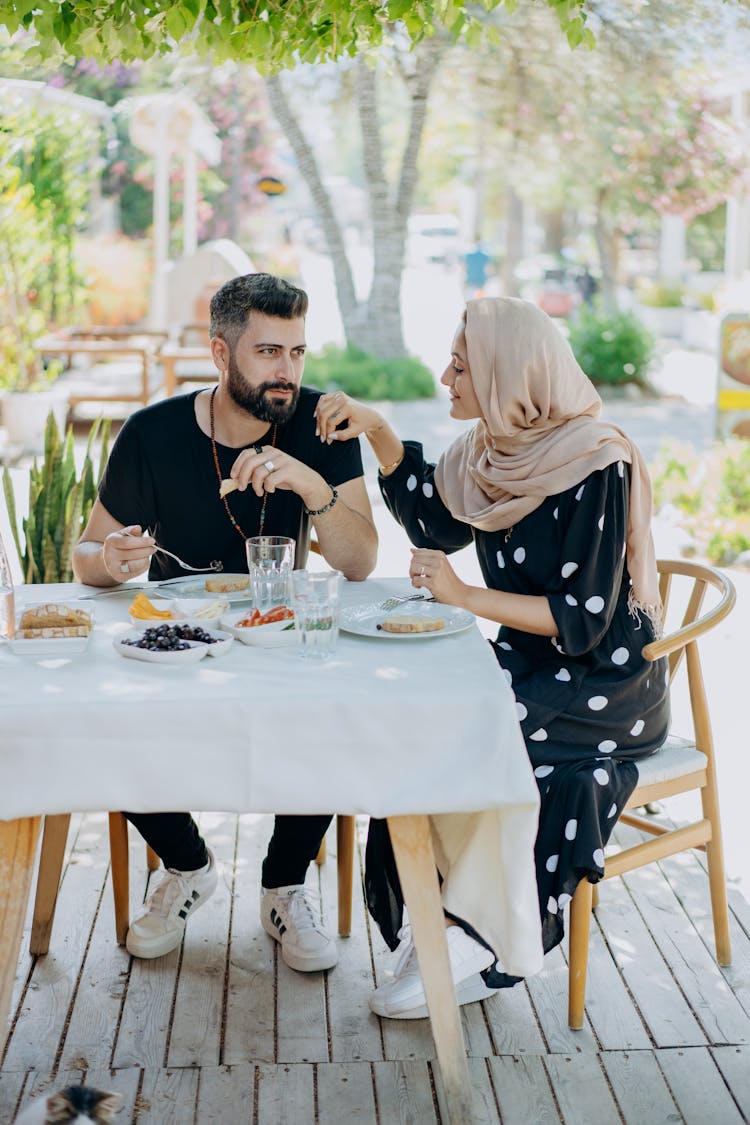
x,y
288,915
158,926
403,998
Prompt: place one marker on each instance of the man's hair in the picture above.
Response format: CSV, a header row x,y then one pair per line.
x,y
232,304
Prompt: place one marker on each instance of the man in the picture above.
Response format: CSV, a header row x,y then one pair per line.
x,y
161,485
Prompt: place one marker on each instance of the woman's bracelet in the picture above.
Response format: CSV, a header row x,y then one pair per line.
x,y
385,470
326,507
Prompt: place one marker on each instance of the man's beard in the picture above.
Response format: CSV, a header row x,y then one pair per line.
x,y
254,400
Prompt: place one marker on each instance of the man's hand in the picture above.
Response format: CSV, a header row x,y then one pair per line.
x,y
268,468
127,552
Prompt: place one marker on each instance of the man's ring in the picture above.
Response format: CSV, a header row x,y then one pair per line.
x,y
422,573
124,568
268,465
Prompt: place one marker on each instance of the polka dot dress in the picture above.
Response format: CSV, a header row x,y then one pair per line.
x,y
588,704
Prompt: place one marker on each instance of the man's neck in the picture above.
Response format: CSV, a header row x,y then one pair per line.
x,y
233,426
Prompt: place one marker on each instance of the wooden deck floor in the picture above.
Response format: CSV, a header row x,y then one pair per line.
x,y
222,1031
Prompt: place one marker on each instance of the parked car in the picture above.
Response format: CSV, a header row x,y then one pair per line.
x,y
434,238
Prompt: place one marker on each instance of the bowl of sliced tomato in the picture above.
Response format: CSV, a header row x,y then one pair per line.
x,y
272,629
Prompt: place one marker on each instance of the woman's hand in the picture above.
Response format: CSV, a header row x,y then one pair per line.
x,y
430,570
335,408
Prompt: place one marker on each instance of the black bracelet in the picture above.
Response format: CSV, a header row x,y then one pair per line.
x,y
327,507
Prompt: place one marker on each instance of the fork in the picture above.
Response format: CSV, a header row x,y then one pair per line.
x,y
216,565
399,599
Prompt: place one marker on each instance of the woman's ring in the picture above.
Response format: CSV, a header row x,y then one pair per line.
x,y
422,573
124,568
268,465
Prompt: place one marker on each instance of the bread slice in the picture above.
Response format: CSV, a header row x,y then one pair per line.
x,y
227,485
401,623
227,584
52,616
52,631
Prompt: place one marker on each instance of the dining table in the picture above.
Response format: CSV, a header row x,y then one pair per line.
x,y
420,729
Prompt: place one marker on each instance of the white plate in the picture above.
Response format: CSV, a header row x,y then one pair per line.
x,y
49,646
191,655
185,611
196,588
275,635
364,620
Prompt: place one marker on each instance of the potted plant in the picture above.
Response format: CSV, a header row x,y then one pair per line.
x,y
60,502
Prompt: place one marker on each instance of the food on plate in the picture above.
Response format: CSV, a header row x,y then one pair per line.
x,y
170,638
227,583
227,485
401,623
205,610
52,620
145,610
278,613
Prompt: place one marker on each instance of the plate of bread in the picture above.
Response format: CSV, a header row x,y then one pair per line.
x,y
234,587
51,629
409,622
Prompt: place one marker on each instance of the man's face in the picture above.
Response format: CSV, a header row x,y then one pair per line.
x,y
265,368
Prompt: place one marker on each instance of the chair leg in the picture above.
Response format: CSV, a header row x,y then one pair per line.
x,y
717,882
594,895
153,863
48,880
578,952
118,850
321,856
345,829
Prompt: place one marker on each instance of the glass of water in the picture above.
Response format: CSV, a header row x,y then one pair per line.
x,y
315,601
270,559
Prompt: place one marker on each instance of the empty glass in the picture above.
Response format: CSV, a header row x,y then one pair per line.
x,y
270,559
315,600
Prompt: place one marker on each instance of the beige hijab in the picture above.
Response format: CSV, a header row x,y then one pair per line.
x,y
539,435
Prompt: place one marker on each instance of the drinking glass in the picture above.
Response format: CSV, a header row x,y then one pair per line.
x,y
7,603
270,559
315,601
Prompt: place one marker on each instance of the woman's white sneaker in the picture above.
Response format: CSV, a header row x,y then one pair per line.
x,y
158,926
288,915
403,998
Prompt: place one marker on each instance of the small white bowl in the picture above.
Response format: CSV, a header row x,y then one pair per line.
x,y
277,634
195,651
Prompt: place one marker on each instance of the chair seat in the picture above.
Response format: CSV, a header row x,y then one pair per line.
x,y
675,758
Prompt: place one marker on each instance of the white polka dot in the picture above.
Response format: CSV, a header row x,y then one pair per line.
x,y
411,483
571,828
597,702
498,967
500,560
522,711
621,468
601,776
607,746
427,489
568,569
551,863
579,494
637,727
595,604
504,645
620,656
554,514
563,675
543,771
508,675
519,554
563,901
600,524
598,857
570,599
539,735
612,812
559,647
422,526
551,905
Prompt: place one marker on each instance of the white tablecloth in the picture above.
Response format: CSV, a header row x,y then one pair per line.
x,y
388,727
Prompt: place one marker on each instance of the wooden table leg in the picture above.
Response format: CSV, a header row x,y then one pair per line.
x,y
18,840
412,848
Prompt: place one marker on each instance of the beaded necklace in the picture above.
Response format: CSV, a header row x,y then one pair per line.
x,y
232,520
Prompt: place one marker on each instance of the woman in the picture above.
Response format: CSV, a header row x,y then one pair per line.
x,y
558,504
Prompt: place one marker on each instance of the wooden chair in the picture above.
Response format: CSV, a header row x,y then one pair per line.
x,y
53,853
679,766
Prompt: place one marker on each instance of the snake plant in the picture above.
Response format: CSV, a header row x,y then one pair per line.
x,y
60,502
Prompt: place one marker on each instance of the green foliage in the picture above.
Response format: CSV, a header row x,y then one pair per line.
x,y
366,376
611,347
262,32
660,294
60,503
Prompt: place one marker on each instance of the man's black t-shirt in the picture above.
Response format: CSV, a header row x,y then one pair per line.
x,y
161,475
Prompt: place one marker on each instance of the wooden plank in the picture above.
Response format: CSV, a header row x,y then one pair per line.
x,y
226,1095
404,1092
250,1012
124,1082
581,1090
549,995
639,1087
11,1085
167,1097
195,1037
698,1087
523,1090
614,1018
734,1064
18,846
286,1095
345,1093
482,1103
512,1022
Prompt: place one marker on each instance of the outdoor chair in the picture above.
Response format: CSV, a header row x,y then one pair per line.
x,y
679,766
